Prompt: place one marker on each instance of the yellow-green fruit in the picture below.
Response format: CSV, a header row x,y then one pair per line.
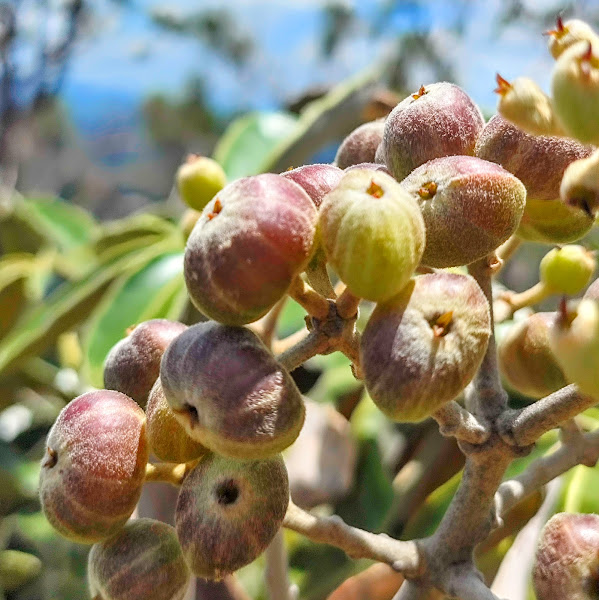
x,y
142,561
420,349
198,180
526,360
575,87
574,339
373,233
167,438
17,569
569,33
567,270
228,512
580,184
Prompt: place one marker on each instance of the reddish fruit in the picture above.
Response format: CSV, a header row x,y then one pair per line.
x,y
360,145
316,180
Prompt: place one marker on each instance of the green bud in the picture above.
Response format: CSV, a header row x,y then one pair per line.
x,y
199,179
567,270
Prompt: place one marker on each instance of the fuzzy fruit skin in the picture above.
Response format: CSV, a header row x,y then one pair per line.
x,y
539,163
317,180
252,239
575,88
369,165
167,438
94,467
526,360
229,392
143,560
477,205
580,184
228,512
133,364
592,292
374,242
198,180
570,33
409,371
442,122
567,558
567,270
360,145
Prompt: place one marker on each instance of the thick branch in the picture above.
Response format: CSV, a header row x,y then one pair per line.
x,y
526,426
315,305
402,556
466,584
311,345
455,421
412,590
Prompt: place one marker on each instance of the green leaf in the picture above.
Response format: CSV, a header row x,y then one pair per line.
x,y
243,148
15,270
145,294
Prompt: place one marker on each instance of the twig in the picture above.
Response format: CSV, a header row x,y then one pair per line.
x,y
537,293
266,327
315,305
173,473
455,421
404,557
311,345
280,346
347,305
277,572
412,590
318,276
508,249
466,584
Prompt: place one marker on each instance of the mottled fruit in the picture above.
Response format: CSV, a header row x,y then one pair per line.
x,y
317,180
360,145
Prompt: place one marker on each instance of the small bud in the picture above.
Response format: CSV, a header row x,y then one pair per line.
x,y
575,89
373,234
143,560
569,33
567,270
420,349
199,179
524,103
228,512
317,180
360,145
439,120
580,184
567,559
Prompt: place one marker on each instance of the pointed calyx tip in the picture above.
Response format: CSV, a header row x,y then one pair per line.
x,y
421,92
503,85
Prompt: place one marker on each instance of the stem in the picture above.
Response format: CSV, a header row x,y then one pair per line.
x,y
455,421
277,572
267,326
508,249
347,305
173,473
311,345
315,305
468,585
412,590
318,276
537,293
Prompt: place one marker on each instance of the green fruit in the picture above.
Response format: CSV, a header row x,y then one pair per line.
x,y
420,349
372,232
143,560
569,33
567,270
229,393
199,179
17,569
228,512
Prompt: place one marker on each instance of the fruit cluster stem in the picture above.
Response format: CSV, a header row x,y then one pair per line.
x,y
173,473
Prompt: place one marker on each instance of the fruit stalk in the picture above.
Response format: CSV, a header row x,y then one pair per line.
x,y
173,473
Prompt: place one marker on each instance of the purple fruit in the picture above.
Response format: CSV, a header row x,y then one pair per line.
x,y
360,145
317,180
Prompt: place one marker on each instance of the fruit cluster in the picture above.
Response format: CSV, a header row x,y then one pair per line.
x,y
409,199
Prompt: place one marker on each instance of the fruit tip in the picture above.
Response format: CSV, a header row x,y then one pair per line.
x,y
503,85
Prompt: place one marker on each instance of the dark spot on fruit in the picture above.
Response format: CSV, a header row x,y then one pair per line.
x,y
192,412
227,492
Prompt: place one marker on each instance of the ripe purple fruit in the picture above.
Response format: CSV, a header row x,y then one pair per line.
x,y
94,466
526,360
252,239
167,438
420,349
133,364
539,162
360,145
143,560
470,207
317,180
228,512
438,120
229,393
567,559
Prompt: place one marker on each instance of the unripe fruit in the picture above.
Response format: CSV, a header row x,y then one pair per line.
x,y
569,33
143,560
420,349
248,246
199,179
470,207
524,103
567,558
439,120
360,145
94,466
229,393
373,234
526,360
316,180
575,88
567,270
167,438
539,163
133,364
580,184
574,339
228,512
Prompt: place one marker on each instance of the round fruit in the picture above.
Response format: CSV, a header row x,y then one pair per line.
x,y
143,560
94,466
317,180
569,33
470,207
133,364
229,393
438,120
167,438
580,185
199,179
372,232
567,270
228,512
360,145
420,349
249,244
